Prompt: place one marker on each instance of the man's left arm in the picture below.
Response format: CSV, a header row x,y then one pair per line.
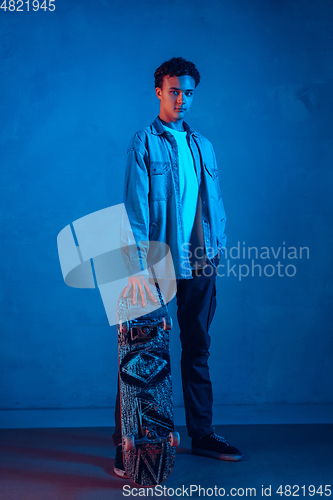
x,y
221,236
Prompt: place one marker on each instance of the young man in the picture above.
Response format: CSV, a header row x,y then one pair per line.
x,y
172,195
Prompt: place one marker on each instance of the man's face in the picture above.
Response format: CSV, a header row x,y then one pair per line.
x,y
176,97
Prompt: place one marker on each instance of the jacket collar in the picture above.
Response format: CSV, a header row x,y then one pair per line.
x,y
158,129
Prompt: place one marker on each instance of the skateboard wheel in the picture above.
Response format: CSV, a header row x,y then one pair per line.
x,y
123,327
129,442
167,325
174,438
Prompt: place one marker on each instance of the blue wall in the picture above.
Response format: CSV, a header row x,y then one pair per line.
x,y
76,84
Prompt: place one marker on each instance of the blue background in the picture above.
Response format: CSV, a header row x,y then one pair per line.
x,y
76,84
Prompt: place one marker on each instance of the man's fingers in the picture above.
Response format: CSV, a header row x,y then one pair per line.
x,y
125,291
134,292
138,285
150,292
143,297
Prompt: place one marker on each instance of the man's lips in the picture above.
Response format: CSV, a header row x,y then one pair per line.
x,y
180,109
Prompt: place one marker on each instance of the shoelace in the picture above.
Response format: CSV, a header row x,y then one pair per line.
x,y
220,439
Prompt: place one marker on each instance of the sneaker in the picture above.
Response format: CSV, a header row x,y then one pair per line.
x,y
118,467
217,447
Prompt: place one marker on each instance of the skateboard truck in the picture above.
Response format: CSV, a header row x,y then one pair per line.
x,y
143,329
151,437
143,333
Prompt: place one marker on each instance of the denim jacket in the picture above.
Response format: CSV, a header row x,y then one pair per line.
x,y
153,204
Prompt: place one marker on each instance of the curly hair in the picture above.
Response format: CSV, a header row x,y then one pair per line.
x,y
177,66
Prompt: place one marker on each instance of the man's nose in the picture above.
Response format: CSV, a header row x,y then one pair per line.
x,y
181,98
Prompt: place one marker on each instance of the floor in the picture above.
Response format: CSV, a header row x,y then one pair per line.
x,y
271,413
77,464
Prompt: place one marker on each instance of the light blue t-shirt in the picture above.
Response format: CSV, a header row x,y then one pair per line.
x,y
190,199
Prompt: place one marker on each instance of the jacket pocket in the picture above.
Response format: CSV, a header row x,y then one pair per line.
x,y
213,172
213,184
160,185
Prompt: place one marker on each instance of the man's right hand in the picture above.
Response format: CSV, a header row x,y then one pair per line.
x,y
139,286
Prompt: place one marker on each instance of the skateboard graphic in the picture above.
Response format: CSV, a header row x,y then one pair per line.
x,y
148,435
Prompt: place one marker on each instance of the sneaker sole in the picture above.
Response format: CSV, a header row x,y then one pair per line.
x,y
218,456
120,473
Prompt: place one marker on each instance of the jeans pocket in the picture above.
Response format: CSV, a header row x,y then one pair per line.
x,y
153,230
212,308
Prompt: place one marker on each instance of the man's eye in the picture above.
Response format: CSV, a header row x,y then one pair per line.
x,y
189,94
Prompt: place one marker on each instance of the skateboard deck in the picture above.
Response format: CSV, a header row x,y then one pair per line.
x,y
146,405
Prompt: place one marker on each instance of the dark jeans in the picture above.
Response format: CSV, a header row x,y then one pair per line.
x,y
196,304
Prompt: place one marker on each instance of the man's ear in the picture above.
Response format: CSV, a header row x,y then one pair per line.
x,y
158,91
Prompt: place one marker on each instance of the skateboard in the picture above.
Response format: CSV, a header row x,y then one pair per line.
x,y
146,406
